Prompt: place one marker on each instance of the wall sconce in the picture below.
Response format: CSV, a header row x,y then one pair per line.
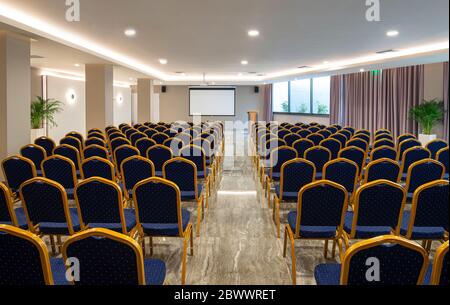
x,y
119,99
71,97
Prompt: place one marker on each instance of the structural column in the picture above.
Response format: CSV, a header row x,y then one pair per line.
x,y
145,91
99,96
15,93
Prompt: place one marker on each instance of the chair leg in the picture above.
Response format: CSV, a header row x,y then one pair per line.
x,y
288,232
333,253
151,245
325,251
59,243
429,244
277,215
199,216
143,245
187,235
52,243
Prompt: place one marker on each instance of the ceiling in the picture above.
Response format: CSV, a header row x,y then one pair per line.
x,y
210,36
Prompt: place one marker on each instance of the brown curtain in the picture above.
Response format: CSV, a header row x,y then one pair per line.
x,y
336,115
268,113
446,120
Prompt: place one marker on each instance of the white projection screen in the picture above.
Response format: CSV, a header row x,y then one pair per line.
x,y
212,101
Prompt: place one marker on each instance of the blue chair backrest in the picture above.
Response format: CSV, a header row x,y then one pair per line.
x,y
5,205
182,173
301,146
136,169
383,153
325,133
343,172
35,153
333,145
196,155
94,141
17,170
69,152
21,261
60,170
435,146
304,133
341,138
98,167
98,202
382,169
399,264
319,156
116,143
71,141
354,154
291,138
159,138
431,204
143,145
322,204
124,152
423,172
316,138
405,137
137,136
157,202
95,151
44,201
347,133
159,155
413,155
443,158
281,156
46,144
405,145
384,136
282,133
296,174
358,143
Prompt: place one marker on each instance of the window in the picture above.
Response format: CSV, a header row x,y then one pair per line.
x,y
306,96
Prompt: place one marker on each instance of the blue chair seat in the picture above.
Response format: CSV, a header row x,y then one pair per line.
x,y
311,231
328,274
130,220
319,176
190,195
409,197
155,271
364,232
446,176
287,196
78,172
39,172
420,233
21,219
404,176
201,174
70,194
60,228
427,278
167,229
159,174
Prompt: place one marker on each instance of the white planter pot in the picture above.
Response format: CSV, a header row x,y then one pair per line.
x,y
36,133
426,138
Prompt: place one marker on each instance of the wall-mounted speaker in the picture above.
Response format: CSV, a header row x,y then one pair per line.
x,y
163,89
256,89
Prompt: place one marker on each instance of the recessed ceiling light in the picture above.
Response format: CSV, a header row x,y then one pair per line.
x,y
130,32
163,61
326,62
361,70
244,62
253,33
240,74
77,65
392,33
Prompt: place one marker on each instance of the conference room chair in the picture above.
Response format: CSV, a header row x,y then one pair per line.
x,y
197,155
362,144
159,154
71,153
150,132
176,145
137,125
61,170
207,145
316,138
382,169
159,214
135,169
442,156
361,136
346,133
36,154
405,145
332,129
363,131
123,152
129,133
137,136
95,151
428,218
185,137
411,156
435,146
109,258
383,152
404,137
383,142
401,262
160,137
160,128
333,145
9,215
343,172
101,205
295,174
377,209
319,156
304,133
325,133
282,133
24,259
319,215
47,210
314,129
17,170
47,144
438,271
384,136
143,128
291,138
72,141
341,138
94,131
97,167
278,157
356,155
117,135
94,141
264,157
110,128
423,172
183,173
295,129
143,145
77,136
382,131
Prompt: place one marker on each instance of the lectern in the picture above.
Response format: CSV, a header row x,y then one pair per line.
x,y
252,119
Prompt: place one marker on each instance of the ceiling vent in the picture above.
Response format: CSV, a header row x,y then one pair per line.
x,y
36,57
386,51
304,67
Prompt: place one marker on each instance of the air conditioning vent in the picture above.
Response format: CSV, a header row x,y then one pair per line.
x,y
36,57
386,51
304,67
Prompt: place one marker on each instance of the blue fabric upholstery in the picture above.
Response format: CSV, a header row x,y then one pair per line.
x,y
365,231
70,153
46,144
358,143
316,138
421,232
384,153
182,174
159,156
281,156
319,157
167,229
444,158
422,174
137,136
134,171
328,274
95,141
71,141
383,170
311,231
190,195
343,173
116,143
341,138
17,171
144,145
130,222
436,146
404,146
97,168
5,217
20,263
301,147
295,176
45,206
290,139
59,272
95,152
123,153
196,155
60,171
34,154
412,156
354,155
159,138
333,145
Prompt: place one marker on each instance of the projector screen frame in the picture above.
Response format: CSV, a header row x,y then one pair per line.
x,y
218,89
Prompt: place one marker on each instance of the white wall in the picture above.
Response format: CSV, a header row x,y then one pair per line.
x,y
122,110
73,116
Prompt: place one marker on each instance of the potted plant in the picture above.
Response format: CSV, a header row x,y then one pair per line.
x,y
43,111
428,114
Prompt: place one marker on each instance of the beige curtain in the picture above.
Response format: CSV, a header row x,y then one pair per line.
x,y
268,112
336,111
446,120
